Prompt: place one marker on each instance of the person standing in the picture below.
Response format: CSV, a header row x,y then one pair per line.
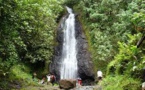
x,y
99,75
48,78
43,80
79,81
34,77
53,79
143,86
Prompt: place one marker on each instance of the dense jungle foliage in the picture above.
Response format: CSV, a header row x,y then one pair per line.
x,y
27,29
114,30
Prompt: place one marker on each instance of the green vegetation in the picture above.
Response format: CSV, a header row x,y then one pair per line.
x,y
112,27
120,83
108,21
27,29
129,59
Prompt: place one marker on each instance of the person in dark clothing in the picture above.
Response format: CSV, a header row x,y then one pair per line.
x,y
53,79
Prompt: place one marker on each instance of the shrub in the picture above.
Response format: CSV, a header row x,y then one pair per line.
x,y
120,82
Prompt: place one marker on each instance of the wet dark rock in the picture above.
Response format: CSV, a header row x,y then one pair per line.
x,y
83,36
85,65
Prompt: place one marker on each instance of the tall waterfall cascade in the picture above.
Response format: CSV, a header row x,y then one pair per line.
x,y
69,68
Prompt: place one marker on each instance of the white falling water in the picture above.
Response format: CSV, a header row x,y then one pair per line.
x,y
69,67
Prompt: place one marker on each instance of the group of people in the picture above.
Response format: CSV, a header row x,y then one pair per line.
x,y
49,79
99,77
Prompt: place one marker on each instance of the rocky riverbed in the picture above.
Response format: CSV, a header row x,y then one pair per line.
x,y
89,88
49,87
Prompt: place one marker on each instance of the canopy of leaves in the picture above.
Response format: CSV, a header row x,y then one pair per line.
x,y
27,29
106,22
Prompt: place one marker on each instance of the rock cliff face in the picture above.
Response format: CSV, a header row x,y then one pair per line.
x,y
85,66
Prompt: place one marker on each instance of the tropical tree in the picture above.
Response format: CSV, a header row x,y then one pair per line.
x,y
27,31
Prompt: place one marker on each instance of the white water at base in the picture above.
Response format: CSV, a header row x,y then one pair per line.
x,y
69,67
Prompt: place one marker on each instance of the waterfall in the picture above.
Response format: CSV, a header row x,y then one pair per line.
x,y
69,68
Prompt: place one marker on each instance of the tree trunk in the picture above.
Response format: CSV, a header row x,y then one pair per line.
x,y
141,40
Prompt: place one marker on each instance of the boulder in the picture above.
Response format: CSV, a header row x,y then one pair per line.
x,y
67,84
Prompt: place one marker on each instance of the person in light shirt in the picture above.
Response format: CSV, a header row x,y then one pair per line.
x,y
143,86
99,75
48,78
